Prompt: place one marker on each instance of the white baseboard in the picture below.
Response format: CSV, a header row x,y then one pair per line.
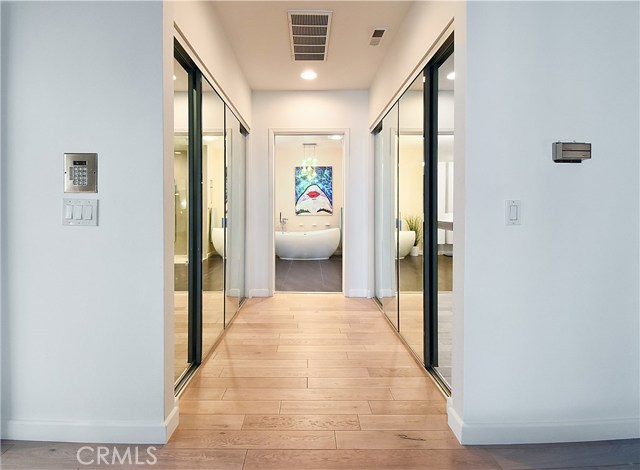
x,y
107,432
385,293
453,419
172,421
542,432
259,293
358,293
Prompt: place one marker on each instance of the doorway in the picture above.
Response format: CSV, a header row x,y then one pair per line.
x,y
308,212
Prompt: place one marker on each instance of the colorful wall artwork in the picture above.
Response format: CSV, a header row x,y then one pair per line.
x,y
314,196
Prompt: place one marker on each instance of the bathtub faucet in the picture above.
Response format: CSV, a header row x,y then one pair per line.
x,y
283,222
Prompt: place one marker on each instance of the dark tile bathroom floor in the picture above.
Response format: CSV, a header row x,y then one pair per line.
x,y
309,275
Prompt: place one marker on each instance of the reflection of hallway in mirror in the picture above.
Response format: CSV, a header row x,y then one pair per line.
x,y
180,332
411,273
411,324
212,270
212,324
445,320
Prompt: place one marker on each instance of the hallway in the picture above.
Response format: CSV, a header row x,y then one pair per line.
x,y
317,381
321,381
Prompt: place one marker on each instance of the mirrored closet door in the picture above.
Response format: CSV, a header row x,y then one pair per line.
x,y
209,214
413,246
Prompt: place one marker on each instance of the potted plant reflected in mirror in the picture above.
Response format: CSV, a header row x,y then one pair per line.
x,y
414,223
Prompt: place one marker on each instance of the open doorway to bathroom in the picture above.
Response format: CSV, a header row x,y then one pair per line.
x,y
308,212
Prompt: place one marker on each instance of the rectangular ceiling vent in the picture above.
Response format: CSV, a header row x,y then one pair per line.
x,y
309,34
376,35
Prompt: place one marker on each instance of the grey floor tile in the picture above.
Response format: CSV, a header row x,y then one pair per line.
x,y
568,455
309,275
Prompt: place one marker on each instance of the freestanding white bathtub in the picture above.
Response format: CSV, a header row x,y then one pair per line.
x,y
217,238
319,244
407,239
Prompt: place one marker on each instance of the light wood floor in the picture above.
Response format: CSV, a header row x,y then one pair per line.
x,y
322,382
312,381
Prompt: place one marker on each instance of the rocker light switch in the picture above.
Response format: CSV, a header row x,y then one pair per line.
x,y
512,213
80,212
87,212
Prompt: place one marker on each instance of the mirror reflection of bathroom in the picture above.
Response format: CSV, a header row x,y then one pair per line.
x,y
213,214
181,219
308,212
446,77
410,198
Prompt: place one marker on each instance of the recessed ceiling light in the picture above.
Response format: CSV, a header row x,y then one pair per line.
x,y
174,77
451,76
334,137
308,75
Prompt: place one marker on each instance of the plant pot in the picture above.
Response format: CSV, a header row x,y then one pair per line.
x,y
414,251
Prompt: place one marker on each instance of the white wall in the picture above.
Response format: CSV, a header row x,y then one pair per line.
x,y
83,325
410,181
287,158
201,27
168,214
551,306
321,110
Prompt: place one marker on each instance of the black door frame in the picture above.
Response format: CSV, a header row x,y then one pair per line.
x,y
194,314
430,228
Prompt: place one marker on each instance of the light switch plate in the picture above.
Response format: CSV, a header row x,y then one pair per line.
x,y
85,213
512,212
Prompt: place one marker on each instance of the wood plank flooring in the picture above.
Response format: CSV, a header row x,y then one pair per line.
x,y
343,391
321,382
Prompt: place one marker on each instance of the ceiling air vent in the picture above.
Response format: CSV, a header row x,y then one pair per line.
x,y
376,36
309,34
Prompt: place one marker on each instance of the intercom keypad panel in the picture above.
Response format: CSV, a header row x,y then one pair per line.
x,y
79,176
80,173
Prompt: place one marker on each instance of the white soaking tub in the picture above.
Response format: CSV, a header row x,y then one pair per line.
x,y
319,244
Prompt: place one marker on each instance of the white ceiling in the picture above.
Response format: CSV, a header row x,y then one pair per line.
x,y
258,32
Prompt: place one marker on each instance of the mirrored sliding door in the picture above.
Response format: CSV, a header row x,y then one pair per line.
x,y
181,184
235,143
209,207
386,215
213,215
444,181
411,215
413,247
